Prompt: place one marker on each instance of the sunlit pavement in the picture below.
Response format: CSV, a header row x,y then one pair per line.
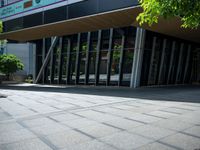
x,y
99,118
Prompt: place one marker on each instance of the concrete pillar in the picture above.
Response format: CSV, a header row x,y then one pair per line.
x,y
137,58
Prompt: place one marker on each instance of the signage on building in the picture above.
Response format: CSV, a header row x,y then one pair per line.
x,y
24,6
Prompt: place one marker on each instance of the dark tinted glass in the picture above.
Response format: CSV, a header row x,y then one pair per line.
x,y
14,24
55,15
33,20
106,5
82,8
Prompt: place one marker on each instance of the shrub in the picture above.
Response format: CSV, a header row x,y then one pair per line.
x,y
9,64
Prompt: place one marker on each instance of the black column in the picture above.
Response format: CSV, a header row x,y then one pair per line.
x,y
121,61
110,52
87,58
98,57
68,60
77,71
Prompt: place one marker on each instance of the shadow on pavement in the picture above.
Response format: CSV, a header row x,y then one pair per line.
x,y
183,93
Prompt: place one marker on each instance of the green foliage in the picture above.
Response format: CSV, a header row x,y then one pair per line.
x,y
1,26
10,64
187,10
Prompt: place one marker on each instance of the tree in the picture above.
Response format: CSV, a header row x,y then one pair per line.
x,y
9,64
1,26
187,10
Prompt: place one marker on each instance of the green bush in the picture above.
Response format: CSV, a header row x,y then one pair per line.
x,y
9,64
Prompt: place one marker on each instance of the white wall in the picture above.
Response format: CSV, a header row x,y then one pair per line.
x,y
25,52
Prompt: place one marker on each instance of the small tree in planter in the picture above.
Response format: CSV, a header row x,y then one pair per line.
x,y
9,64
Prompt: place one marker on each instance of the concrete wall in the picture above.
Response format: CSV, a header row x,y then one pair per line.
x,y
25,52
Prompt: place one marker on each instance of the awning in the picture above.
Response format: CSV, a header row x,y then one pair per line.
x,y
112,19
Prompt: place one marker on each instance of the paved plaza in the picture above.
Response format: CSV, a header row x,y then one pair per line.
x,y
99,118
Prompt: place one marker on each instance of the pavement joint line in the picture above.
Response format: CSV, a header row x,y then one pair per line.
x,y
183,108
169,145
154,116
91,102
117,108
7,114
99,111
144,102
38,136
48,143
78,115
145,123
191,105
189,134
107,124
99,140
171,112
53,119
33,110
77,130
132,105
54,107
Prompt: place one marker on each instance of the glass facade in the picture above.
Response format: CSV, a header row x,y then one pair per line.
x,y
167,60
105,57
68,11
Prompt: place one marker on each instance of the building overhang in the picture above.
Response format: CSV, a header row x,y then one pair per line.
x,y
113,19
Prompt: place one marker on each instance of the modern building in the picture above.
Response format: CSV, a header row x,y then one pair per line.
x,y
26,53
99,42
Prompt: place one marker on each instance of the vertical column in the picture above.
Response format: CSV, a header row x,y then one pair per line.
x,y
110,52
179,63
87,65
152,62
98,57
59,60
68,60
43,57
187,63
121,60
51,64
137,58
78,59
171,62
162,62
34,62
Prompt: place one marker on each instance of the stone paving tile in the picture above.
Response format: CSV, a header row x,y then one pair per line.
x,y
9,126
92,145
144,118
173,124
187,107
162,114
189,118
15,136
79,123
64,117
156,146
176,110
182,141
49,129
4,116
195,130
37,122
99,130
125,141
30,144
124,123
67,138
153,132
73,120
97,116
